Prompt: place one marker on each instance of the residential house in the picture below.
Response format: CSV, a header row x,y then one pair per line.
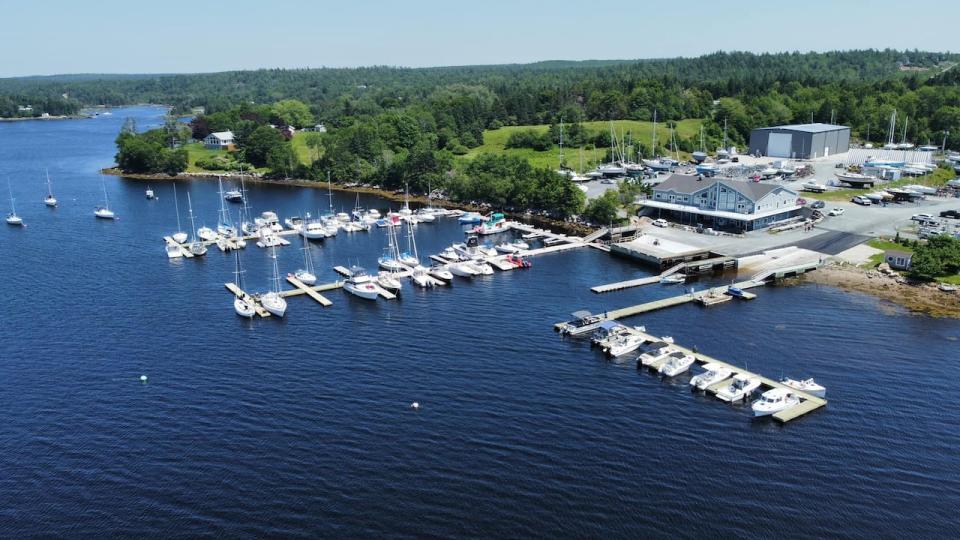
x,y
722,203
221,140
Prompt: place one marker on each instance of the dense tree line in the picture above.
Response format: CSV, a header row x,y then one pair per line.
x,y
38,103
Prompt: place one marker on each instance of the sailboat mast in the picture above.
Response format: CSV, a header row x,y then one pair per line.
x,y
329,192
49,187
193,224
276,270
561,143
653,148
176,206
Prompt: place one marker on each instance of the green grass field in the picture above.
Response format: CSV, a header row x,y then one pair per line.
x,y
494,141
196,151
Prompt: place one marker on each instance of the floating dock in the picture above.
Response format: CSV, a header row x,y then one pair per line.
x,y
240,293
311,291
184,252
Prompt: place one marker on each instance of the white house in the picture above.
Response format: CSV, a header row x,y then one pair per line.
x,y
219,140
723,203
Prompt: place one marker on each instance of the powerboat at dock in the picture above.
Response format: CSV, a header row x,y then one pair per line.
x,y
773,401
360,284
741,387
583,322
808,385
658,351
677,363
712,374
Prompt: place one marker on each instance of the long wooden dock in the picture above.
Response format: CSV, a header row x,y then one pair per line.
x,y
808,402
620,285
311,291
240,293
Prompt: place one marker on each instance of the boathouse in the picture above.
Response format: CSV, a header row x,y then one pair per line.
x,y
721,204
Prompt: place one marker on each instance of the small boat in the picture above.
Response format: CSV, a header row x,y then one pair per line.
x,y
946,287
12,217
440,272
712,374
313,230
149,193
360,284
735,291
243,306
677,363
520,244
342,217
294,223
272,301
306,274
450,254
179,237
657,352
389,281
470,218
197,247
104,212
425,216
607,333
481,267
740,388
624,344
462,269
773,401
808,385
50,200
518,262
507,248
207,234
233,195
673,279
496,224
421,277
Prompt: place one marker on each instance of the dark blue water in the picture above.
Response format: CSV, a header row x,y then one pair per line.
x,y
302,426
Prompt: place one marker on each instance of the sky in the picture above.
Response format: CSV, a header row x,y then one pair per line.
x,y
42,37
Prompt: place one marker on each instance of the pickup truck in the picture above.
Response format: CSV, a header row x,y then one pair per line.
x,y
954,214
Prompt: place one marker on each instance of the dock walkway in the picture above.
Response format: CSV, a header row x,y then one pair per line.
x,y
311,291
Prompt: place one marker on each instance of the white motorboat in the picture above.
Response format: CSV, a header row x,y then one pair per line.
x,y
739,388
342,217
361,284
673,279
658,351
624,343
373,213
268,239
242,305
712,374
440,272
450,254
272,301
481,268
150,194
233,195
677,363
355,226
179,237
294,223
306,274
313,230
808,385
462,269
607,333
583,322
421,278
50,200
207,234
773,401
197,247
104,212
507,248
268,220
389,281
520,244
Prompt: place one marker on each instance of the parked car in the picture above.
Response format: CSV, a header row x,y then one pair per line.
x,y
836,212
930,232
861,200
818,205
661,222
955,214
921,217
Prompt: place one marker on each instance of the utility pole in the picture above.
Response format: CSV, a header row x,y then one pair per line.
x,y
943,147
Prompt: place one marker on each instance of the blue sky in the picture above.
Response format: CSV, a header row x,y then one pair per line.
x,y
114,36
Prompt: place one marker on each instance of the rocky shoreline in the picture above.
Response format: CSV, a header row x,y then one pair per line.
x,y
918,297
538,221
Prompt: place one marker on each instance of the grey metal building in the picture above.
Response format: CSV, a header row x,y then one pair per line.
x,y
800,141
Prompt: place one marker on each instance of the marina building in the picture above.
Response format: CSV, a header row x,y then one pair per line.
x,y
722,204
800,141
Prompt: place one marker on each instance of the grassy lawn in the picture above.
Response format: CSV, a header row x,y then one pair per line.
x,y
299,144
494,141
196,151
937,178
953,280
880,243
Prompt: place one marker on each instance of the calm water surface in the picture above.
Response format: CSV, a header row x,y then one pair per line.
x,y
302,426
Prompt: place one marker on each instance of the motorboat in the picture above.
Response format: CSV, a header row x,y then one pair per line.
x,y
518,261
606,333
712,374
677,363
424,216
673,279
268,239
739,388
773,401
624,343
361,284
481,267
856,179
355,226
421,277
658,351
389,281
736,292
294,223
462,269
470,218
440,272
150,194
496,224
507,248
207,234
233,195
808,385
272,301
450,254
342,217
486,250
520,244
707,169
583,322
313,230
268,220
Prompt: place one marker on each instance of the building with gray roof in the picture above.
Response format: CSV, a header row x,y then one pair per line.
x,y
800,141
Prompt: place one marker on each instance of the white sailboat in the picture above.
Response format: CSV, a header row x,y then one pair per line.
x,y
12,217
197,248
224,225
389,260
306,274
179,237
49,200
242,305
104,212
410,257
272,301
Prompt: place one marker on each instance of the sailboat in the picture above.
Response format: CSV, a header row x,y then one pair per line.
x,y
700,155
306,274
224,226
242,305
12,217
389,260
197,248
656,163
272,301
410,256
104,212
49,200
179,237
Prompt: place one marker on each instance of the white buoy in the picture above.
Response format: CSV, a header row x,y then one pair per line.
x,y
415,405
143,378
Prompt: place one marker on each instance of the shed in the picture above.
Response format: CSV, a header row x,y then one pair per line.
x,y
899,260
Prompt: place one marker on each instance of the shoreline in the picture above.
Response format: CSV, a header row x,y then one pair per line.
x,y
924,298
539,221
44,118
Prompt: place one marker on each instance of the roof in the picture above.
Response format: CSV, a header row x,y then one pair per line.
x,y
582,314
222,135
719,213
690,184
609,325
809,128
897,254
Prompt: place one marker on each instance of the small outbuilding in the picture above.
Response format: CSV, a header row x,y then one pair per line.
x,y
898,260
800,141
